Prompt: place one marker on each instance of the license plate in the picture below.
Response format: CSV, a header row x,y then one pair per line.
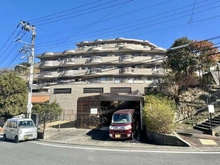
x,y
26,137
117,135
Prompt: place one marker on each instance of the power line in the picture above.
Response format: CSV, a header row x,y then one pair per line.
x,y
95,22
11,43
64,11
8,54
192,11
10,63
159,22
127,13
9,38
142,18
151,21
6,48
61,19
13,59
205,19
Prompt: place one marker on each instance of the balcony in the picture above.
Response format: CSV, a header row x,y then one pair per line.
x,y
68,73
126,58
47,64
94,59
46,74
94,71
157,59
69,61
126,70
66,81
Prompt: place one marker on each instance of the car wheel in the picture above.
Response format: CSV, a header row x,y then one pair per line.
x,y
16,139
4,137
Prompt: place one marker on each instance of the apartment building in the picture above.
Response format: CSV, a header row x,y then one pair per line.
x,y
122,65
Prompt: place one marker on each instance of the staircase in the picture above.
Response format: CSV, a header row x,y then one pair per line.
x,y
206,128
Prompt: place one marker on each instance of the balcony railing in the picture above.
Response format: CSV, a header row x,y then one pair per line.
x,y
48,63
69,61
126,70
126,58
94,71
68,72
94,59
46,74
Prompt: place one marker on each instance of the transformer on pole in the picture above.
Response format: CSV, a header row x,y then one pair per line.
x,y
27,27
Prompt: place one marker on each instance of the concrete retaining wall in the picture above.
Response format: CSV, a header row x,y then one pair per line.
x,y
163,139
47,133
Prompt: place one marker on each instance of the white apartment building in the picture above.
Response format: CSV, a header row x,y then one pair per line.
x,y
121,65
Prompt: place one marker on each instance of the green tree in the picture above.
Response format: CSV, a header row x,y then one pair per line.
x,y
13,95
182,63
47,109
158,113
207,56
180,60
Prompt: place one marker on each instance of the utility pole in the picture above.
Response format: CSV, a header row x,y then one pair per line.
x,y
30,49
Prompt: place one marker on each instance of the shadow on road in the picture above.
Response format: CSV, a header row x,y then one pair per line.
x,y
99,135
103,135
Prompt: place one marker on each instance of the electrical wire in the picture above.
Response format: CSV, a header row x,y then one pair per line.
x,y
107,19
159,22
148,22
61,19
8,54
10,63
161,14
63,11
9,38
10,46
205,19
123,4
6,49
192,12
13,59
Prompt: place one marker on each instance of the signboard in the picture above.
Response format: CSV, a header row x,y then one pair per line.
x,y
93,111
211,108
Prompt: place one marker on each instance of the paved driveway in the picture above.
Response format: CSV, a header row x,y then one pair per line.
x,y
95,138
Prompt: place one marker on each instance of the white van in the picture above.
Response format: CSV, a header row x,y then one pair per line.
x,y
20,129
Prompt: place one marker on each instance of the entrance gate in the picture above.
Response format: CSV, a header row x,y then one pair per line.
x,y
89,108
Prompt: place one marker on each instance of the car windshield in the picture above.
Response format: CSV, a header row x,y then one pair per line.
x,y
26,123
121,118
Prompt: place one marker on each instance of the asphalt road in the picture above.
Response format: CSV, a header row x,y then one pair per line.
x,y
41,153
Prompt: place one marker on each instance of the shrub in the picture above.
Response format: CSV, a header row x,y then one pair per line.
x,y
158,113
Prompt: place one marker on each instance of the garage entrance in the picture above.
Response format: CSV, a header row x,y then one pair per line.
x,y
96,111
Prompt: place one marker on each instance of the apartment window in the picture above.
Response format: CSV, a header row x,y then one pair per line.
x,y
120,90
92,90
62,91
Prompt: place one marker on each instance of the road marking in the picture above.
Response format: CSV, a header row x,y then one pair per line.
x,y
207,142
146,150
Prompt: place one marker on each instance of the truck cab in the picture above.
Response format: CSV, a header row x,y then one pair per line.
x,y
122,124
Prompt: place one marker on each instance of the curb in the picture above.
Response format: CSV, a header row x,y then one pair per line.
x,y
184,141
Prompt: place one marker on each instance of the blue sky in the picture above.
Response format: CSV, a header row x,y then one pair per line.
x,y
61,24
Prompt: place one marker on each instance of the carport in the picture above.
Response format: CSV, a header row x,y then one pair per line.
x,y
91,109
